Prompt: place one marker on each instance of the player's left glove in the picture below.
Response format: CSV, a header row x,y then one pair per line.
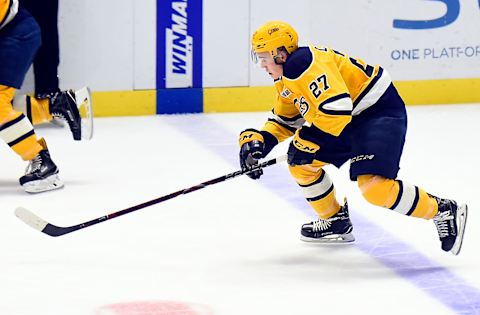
x,y
301,151
251,150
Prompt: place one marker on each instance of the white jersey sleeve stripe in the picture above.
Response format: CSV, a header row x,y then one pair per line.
x,y
343,104
374,94
290,123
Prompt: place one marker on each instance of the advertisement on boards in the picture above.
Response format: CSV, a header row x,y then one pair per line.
x,y
412,39
435,39
179,44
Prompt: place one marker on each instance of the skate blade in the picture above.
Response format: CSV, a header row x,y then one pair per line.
x,y
330,239
461,222
85,107
50,183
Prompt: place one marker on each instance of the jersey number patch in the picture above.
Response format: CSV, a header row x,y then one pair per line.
x,y
319,85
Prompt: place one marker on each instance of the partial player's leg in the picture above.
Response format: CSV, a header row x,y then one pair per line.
x,y
333,225
73,107
17,131
19,41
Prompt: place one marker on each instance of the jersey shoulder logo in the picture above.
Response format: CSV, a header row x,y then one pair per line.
x,y
285,93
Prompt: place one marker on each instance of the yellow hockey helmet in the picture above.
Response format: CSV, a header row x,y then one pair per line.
x,y
273,35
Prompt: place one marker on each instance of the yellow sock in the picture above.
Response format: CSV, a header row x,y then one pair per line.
x,y
38,110
398,196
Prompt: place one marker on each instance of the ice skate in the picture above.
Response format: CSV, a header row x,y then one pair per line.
x,y
450,223
41,173
336,229
75,108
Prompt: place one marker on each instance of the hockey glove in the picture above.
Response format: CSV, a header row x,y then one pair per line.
x,y
301,151
251,150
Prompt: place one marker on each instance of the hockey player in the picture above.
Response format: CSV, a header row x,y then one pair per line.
x,y
339,108
19,40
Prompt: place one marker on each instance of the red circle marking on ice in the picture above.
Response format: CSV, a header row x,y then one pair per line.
x,y
154,308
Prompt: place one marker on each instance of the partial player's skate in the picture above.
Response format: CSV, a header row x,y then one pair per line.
x,y
450,222
41,173
336,229
76,109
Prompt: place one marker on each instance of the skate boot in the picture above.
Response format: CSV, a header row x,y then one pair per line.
x,y
41,173
336,229
63,105
450,222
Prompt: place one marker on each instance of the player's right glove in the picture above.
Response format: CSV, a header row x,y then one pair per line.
x,y
301,151
251,150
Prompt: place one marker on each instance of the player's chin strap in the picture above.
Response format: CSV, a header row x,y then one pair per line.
x,y
39,224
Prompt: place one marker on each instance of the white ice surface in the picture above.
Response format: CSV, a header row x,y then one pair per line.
x,y
232,248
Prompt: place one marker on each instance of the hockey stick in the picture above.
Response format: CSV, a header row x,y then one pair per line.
x,y
39,224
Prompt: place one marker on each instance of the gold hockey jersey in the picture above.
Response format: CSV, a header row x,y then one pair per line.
x,y
8,10
323,88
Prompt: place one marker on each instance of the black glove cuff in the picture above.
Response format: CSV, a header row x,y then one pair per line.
x,y
270,142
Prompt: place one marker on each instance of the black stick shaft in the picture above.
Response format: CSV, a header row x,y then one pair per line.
x,y
53,230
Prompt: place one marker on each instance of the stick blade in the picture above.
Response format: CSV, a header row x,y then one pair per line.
x,y
30,218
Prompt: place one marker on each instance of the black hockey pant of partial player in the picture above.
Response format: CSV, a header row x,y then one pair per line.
x,y
45,64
